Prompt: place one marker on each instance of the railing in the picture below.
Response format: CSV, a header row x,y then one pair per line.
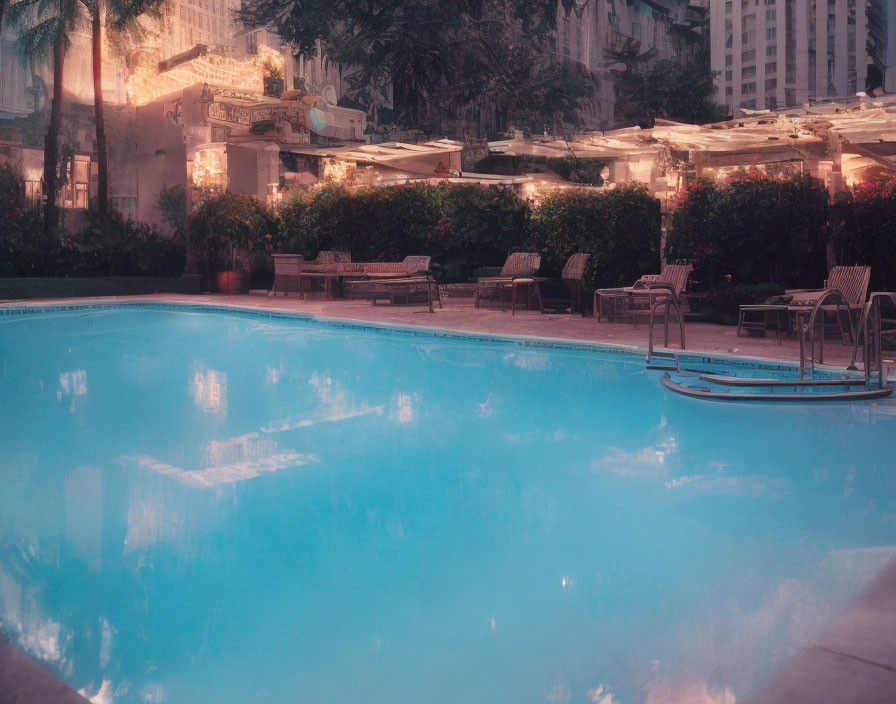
x,y
871,347
830,297
660,296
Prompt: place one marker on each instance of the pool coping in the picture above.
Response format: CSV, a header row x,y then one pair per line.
x,y
529,341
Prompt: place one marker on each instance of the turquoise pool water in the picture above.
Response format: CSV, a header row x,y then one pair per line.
x,y
213,507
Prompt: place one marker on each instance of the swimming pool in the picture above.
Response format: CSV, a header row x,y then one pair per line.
x,y
199,505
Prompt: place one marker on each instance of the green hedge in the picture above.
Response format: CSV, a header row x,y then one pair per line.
x,y
374,224
619,228
863,229
751,232
464,228
120,248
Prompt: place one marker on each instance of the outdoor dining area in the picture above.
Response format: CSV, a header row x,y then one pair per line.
x,y
333,275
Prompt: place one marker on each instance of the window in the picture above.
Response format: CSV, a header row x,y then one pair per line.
x,y
728,7
771,50
770,84
748,72
771,68
771,34
729,91
729,76
729,59
771,102
748,55
729,25
769,15
748,88
749,104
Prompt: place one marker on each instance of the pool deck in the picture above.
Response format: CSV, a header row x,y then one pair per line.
x,y
460,315
853,661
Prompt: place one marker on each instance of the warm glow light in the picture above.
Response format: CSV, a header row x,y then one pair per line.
x,y
146,84
337,170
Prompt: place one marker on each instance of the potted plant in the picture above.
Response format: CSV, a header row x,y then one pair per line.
x,y
228,228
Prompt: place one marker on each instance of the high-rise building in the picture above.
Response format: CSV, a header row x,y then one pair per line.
x,y
588,36
779,53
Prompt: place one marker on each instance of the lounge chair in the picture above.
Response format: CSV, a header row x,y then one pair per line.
x,y
851,282
326,268
571,278
389,279
673,279
287,268
520,265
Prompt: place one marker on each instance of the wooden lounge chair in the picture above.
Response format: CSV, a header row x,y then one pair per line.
x,y
673,278
287,268
571,278
851,282
324,269
376,279
520,265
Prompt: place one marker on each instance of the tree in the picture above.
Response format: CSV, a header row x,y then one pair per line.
x,y
44,26
119,16
646,90
444,57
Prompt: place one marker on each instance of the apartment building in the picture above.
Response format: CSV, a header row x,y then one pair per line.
x,y
779,53
586,35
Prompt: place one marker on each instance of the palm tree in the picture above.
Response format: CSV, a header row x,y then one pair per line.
x,y
44,26
120,16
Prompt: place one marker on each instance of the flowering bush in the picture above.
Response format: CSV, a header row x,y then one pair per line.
x,y
752,231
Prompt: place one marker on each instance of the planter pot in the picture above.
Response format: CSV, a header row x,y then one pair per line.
x,y
232,282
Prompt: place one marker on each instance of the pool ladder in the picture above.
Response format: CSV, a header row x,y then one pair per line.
x,y
665,299
875,384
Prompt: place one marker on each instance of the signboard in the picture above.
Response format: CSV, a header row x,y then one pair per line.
x,y
226,112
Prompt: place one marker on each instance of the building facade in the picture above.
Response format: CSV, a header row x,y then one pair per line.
x,y
589,35
778,53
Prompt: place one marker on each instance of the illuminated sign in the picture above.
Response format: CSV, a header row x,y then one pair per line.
x,y
229,113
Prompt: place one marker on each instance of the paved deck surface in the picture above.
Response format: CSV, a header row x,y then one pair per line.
x,y
459,314
23,681
853,662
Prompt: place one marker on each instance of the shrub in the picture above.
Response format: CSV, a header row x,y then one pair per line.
x,y
752,231
461,227
230,226
619,228
479,228
374,224
864,229
23,249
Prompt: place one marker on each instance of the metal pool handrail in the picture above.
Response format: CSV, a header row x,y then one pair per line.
x,y
829,297
871,348
660,294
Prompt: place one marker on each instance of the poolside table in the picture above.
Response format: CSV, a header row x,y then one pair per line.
x,y
387,287
781,310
